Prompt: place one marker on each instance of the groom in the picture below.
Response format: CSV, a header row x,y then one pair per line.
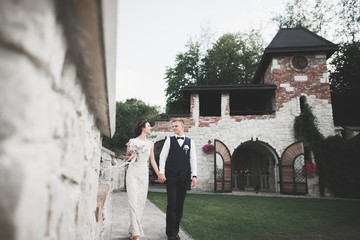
x,y
177,164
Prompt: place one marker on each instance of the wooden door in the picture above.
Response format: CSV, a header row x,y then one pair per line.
x,y
292,177
222,167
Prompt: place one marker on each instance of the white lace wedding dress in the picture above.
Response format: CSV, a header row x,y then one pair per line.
x,y
137,185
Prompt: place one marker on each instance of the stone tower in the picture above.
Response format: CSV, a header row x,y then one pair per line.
x,y
295,61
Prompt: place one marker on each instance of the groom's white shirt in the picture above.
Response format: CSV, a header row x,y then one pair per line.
x,y
165,152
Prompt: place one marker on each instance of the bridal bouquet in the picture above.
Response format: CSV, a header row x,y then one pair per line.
x,y
135,149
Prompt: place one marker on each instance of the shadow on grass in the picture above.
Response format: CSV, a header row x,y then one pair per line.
x,y
334,233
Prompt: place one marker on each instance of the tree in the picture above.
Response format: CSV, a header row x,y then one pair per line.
x,y
296,13
349,18
345,84
128,113
232,59
342,16
186,72
315,16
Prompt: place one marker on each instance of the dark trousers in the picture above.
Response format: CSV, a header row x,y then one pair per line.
x,y
176,187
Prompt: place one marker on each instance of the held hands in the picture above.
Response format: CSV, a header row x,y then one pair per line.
x,y
161,178
193,182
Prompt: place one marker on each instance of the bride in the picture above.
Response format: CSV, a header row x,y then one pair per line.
x,y
138,152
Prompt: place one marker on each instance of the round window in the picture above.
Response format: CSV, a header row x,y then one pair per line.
x,y
299,62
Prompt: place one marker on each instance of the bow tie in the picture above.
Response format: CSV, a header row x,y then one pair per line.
x,y
180,138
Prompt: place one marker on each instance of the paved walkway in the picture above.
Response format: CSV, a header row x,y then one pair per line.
x,y
154,220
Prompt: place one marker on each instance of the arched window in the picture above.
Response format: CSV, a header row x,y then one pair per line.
x,y
302,103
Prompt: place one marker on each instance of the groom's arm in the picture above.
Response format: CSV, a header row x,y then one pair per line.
x,y
193,159
193,163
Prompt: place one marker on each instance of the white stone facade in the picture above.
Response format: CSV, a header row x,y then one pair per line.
x,y
277,132
50,130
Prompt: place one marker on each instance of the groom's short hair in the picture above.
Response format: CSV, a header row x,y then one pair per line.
x,y
178,120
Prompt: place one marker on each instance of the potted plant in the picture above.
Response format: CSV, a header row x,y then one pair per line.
x,y
208,148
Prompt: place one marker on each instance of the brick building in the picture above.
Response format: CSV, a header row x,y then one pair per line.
x,y
251,125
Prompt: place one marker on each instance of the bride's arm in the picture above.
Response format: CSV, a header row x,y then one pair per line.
x,y
127,156
153,162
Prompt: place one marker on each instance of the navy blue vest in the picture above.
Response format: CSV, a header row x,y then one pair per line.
x,y
178,160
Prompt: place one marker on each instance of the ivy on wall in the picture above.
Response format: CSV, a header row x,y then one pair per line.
x,y
305,128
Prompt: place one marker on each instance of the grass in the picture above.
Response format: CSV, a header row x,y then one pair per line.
x,y
211,216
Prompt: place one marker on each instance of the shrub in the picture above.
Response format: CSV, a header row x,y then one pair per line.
x,y
339,165
337,159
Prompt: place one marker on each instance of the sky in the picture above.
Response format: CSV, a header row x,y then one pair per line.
x,y
151,33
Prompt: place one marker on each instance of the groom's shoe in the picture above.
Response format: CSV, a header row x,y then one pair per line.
x,y
174,238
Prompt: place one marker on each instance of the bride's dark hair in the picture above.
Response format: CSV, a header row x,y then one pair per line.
x,y
139,126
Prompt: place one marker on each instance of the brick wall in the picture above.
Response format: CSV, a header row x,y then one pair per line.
x,y
293,83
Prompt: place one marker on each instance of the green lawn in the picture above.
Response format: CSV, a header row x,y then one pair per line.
x,y
209,216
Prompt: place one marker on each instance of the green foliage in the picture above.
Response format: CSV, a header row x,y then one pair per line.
x,y
340,164
345,84
343,16
128,113
232,59
316,16
349,17
337,159
185,73
209,216
305,128
345,76
296,14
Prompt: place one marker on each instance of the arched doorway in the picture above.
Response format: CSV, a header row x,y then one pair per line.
x,y
222,167
292,177
254,166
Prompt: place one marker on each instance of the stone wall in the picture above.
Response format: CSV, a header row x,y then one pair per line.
x,y
273,129
232,131
109,173
50,142
112,179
